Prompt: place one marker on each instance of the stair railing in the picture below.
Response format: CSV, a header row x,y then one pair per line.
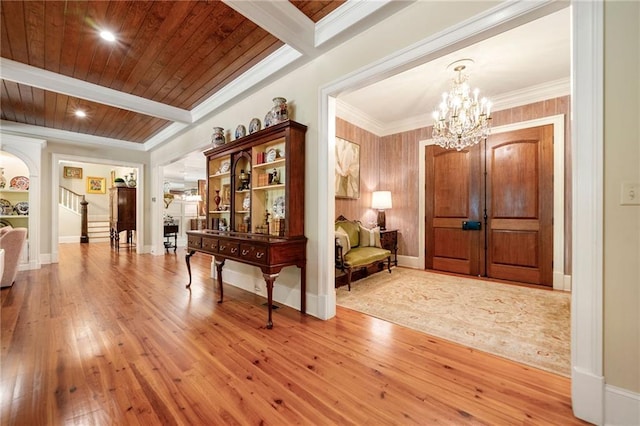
x,y
77,204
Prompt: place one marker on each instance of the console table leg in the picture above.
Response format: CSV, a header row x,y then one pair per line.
x,y
187,259
219,265
269,279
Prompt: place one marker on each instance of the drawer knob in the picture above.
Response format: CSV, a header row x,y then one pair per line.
x,y
259,255
245,252
234,250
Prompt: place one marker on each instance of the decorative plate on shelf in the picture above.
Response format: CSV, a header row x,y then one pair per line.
x,y
224,167
268,119
246,203
254,125
241,131
21,208
271,155
278,208
20,182
5,206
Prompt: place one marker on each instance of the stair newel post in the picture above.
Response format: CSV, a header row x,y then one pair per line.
x,y
84,235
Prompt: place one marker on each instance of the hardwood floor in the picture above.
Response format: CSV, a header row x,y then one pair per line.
x,y
108,338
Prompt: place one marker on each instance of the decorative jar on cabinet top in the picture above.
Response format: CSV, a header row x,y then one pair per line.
x,y
217,138
279,111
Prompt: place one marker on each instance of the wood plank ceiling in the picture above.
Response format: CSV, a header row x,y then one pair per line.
x,y
177,53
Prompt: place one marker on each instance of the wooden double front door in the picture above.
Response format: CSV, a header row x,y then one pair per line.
x,y
489,208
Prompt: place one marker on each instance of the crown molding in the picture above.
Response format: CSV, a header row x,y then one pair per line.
x,y
529,95
345,17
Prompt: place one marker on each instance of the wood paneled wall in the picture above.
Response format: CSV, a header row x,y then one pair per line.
x,y
369,170
392,163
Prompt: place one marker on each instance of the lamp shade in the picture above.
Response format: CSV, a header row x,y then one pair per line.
x,y
381,200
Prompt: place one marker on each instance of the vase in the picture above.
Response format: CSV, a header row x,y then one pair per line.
x,y
217,138
279,111
131,182
3,180
216,199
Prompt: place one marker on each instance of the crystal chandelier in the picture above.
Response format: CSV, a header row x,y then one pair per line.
x,y
461,120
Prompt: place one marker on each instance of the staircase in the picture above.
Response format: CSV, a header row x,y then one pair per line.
x,y
98,231
98,227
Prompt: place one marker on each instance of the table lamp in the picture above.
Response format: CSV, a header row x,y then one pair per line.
x,y
381,200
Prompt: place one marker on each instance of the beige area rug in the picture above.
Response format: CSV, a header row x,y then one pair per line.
x,y
527,325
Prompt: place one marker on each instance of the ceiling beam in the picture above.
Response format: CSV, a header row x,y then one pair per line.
x,y
65,136
47,80
281,19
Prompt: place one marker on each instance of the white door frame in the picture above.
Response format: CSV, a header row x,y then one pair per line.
x,y
587,175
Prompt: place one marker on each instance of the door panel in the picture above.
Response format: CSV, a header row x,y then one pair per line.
x,y
517,195
520,205
452,179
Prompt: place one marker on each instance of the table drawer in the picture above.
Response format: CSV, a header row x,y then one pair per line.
x,y
194,242
253,253
210,245
229,248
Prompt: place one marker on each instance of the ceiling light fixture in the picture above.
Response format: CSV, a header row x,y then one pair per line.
x,y
107,35
80,113
461,120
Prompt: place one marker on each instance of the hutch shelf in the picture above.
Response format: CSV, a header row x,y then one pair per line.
x,y
255,205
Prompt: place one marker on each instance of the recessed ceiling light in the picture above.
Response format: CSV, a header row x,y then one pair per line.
x,y
80,113
107,35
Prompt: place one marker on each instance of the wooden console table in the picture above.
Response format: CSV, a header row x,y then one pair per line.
x,y
170,231
269,253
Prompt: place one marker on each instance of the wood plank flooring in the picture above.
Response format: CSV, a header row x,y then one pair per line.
x,y
107,338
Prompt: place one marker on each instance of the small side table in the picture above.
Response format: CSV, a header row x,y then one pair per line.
x,y
389,241
170,231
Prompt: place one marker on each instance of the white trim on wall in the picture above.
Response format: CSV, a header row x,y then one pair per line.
x,y
29,150
587,384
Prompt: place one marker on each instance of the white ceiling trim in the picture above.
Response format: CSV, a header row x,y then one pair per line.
x,y
258,73
47,80
281,19
529,95
65,136
344,18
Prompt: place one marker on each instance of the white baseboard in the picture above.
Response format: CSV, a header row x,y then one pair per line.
x,y
621,407
587,394
69,239
282,294
567,283
410,262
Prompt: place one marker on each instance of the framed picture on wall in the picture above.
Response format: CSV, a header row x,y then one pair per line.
x,y
72,172
96,185
347,180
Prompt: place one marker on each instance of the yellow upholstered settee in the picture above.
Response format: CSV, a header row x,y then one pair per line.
x,y
357,247
11,240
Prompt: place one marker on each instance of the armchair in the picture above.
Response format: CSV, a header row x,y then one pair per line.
x,y
12,241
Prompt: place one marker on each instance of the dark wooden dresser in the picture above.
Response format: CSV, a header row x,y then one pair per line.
x,y
122,215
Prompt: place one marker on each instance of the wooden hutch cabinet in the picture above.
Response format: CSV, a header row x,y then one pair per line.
x,y
122,214
255,205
